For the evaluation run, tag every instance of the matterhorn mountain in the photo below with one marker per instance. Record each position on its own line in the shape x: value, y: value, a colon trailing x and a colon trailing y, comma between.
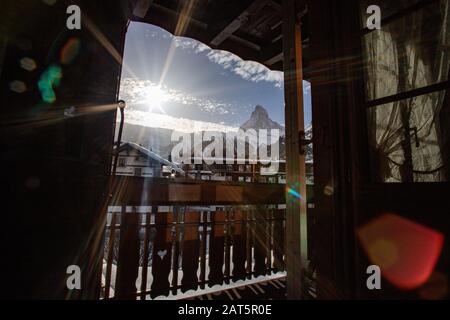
x: 159, y: 140
x: 260, y: 120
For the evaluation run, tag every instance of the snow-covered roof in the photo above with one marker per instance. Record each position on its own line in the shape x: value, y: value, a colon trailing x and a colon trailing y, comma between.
x: 152, y: 155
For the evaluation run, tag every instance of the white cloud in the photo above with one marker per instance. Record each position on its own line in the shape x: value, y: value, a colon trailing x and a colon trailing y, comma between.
x: 226, y: 59
x: 248, y: 70
x: 256, y: 72
x: 157, y: 120
x: 135, y: 92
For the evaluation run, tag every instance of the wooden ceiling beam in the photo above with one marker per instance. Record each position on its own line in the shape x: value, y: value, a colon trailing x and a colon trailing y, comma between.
x: 141, y: 7
x: 274, y: 59
x: 275, y: 5
x: 176, y: 15
x: 238, y: 21
x: 245, y: 42
x: 164, y: 18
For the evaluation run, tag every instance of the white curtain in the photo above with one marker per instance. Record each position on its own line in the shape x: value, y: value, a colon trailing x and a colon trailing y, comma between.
x: 407, y: 139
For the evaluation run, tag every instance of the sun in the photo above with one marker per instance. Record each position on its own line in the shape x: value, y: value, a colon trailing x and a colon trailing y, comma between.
x: 155, y: 96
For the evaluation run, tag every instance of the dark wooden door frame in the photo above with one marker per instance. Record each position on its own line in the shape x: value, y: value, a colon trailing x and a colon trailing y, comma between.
x: 345, y: 195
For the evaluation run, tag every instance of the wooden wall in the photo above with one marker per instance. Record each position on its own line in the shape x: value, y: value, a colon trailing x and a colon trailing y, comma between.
x: 56, y: 167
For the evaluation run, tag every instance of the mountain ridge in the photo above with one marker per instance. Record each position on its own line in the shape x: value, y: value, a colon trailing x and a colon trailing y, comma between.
x: 159, y: 139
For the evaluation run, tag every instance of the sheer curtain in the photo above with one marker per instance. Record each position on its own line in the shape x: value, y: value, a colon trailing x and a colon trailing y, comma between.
x: 407, y: 137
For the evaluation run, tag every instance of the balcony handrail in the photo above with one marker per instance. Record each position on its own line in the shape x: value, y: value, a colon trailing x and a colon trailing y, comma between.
x: 237, y: 243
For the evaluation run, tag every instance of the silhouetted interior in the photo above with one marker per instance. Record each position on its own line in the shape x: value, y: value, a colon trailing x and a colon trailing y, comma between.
x: 381, y: 128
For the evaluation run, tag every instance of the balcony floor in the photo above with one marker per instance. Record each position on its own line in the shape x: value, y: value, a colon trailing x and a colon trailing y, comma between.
x: 273, y: 289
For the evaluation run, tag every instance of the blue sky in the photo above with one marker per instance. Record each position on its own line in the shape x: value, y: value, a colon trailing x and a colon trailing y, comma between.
x: 180, y: 83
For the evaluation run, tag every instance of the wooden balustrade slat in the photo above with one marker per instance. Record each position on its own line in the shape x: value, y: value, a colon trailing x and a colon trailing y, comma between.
x: 269, y: 240
x: 216, y: 248
x: 191, y: 251
x: 203, y: 248
x: 278, y: 240
x: 249, y: 244
x: 233, y: 243
x: 145, y: 255
x: 109, y: 259
x: 227, y: 240
x: 260, y: 236
x: 239, y: 232
x: 176, y: 248
x: 161, y: 256
x: 128, y: 263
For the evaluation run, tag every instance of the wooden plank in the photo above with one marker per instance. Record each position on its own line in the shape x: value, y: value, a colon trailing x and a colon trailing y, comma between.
x: 238, y: 22
x: 139, y: 191
x: 141, y: 7
x: 191, y: 251
x: 239, y: 232
x: 229, y: 193
x: 128, y: 263
x: 161, y: 257
x: 269, y: 240
x: 109, y: 259
x: 178, y: 216
x: 227, y: 244
x: 276, y: 58
x: 279, y: 240
x: 296, y: 179
x: 203, y: 247
x: 185, y: 193
x: 145, y: 255
x: 249, y: 244
x: 260, y: 241
x: 216, y: 248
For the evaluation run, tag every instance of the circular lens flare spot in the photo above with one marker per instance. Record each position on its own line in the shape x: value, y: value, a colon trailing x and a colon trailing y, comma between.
x: 383, y: 253
x: 28, y: 64
x: 70, y: 50
x: 406, y: 251
x: 18, y: 86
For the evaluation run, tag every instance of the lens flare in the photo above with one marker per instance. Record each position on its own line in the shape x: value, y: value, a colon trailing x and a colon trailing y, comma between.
x: 405, y: 251
x: 294, y: 193
x: 70, y: 50
x: 28, y: 64
x: 18, y: 86
x: 155, y: 97
x: 50, y: 78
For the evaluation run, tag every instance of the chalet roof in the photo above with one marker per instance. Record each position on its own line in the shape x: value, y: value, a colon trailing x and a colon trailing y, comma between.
x: 151, y: 155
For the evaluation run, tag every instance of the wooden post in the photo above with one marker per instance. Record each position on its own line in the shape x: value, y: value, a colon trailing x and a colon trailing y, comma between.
x: 109, y: 259
x: 296, y: 253
x: 128, y: 264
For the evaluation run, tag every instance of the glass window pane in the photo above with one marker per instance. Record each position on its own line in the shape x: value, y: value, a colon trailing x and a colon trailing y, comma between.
x: 409, y: 139
x: 409, y: 53
x: 388, y: 7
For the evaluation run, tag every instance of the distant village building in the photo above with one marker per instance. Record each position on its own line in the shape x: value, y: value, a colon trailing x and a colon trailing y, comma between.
x: 251, y: 173
x: 135, y: 160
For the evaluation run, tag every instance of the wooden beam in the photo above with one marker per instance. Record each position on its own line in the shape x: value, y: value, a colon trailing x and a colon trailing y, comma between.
x: 166, y: 18
x: 238, y: 22
x: 275, y: 5
x: 272, y: 50
x: 274, y: 59
x: 245, y: 42
x: 177, y: 15
x: 128, y: 262
x: 141, y: 7
x: 296, y: 244
x: 158, y: 191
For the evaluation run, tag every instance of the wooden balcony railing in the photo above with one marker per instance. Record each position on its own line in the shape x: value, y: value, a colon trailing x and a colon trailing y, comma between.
x: 153, y: 250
